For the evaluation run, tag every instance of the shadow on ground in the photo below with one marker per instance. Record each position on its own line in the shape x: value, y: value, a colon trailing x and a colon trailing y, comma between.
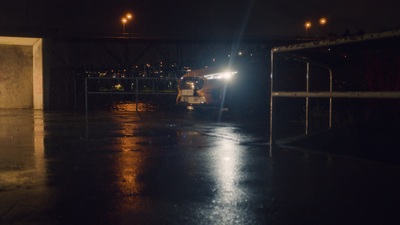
x: 377, y: 142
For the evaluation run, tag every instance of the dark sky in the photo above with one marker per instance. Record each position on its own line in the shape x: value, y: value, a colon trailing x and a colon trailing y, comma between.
x: 203, y: 17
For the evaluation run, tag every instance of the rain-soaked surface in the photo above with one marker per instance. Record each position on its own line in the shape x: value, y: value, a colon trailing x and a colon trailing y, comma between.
x: 175, y: 168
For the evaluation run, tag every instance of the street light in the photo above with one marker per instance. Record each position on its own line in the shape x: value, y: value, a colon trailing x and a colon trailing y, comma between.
x: 307, y: 25
x: 128, y: 17
x: 323, y: 22
x: 124, y: 21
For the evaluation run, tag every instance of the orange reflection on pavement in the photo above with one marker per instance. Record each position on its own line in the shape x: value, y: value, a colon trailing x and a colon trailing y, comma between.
x: 130, y: 158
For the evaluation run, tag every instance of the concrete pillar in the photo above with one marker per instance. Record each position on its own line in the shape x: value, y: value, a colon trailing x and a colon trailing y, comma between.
x: 21, y: 73
x: 37, y: 49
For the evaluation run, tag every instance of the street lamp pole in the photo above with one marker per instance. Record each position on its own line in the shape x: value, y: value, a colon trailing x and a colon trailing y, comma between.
x: 323, y: 22
x: 128, y: 19
x: 124, y: 21
x: 307, y: 26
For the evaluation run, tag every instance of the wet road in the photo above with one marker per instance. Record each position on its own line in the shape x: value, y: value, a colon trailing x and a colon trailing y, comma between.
x: 157, y: 168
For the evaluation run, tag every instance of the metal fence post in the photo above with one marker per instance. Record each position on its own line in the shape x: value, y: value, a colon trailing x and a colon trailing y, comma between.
x: 137, y: 93
x: 307, y: 91
x: 86, y: 93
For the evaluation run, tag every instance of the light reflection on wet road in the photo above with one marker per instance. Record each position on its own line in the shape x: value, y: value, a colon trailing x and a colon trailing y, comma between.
x: 155, y: 168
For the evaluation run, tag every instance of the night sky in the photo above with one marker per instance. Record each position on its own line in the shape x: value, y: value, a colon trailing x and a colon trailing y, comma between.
x: 202, y: 17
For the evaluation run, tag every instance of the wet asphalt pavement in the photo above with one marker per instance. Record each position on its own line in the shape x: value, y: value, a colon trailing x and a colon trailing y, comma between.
x: 175, y: 168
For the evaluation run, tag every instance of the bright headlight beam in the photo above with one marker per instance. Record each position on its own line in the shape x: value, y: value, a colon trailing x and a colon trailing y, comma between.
x: 224, y: 75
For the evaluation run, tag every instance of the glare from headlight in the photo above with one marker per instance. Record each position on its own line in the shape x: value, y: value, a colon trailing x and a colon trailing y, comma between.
x: 224, y: 75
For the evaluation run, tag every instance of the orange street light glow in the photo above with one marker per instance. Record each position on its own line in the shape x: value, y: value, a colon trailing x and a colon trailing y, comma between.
x: 129, y: 16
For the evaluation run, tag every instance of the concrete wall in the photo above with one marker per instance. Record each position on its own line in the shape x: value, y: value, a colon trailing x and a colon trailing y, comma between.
x: 16, y: 69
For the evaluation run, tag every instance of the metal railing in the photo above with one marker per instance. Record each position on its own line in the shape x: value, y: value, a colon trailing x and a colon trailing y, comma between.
x: 134, y: 86
x: 323, y: 94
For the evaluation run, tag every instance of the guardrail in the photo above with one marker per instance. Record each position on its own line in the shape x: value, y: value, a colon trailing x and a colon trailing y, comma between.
x: 135, y: 86
x: 329, y: 94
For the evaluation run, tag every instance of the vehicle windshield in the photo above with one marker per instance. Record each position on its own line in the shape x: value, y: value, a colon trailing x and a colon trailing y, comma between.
x: 191, y: 83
